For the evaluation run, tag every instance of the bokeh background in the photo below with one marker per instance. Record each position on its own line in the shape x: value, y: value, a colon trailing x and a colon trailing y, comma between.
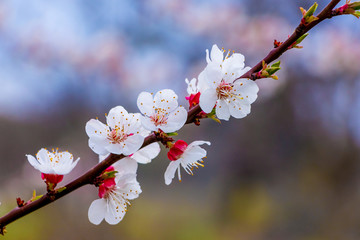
x: 290, y: 170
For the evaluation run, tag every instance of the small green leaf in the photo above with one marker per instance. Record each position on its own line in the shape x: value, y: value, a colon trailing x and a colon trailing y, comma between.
x: 356, y: 14
x: 59, y: 190
x: 355, y: 5
x: 107, y: 175
x: 273, y: 70
x: 277, y: 64
x: 311, y: 10
x: 172, y: 134
x: 300, y: 39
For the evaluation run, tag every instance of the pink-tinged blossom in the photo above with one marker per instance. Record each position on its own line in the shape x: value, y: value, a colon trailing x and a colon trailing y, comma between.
x: 186, y: 156
x: 121, y: 135
x: 53, y: 165
x: 161, y: 111
x: 115, y: 194
x: 230, y: 98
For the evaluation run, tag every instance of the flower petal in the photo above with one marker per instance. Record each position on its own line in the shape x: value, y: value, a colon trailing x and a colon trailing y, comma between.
x: 202, y: 84
x: 33, y: 162
x: 95, y: 127
x: 97, y: 211
x: 208, y: 100
x: 132, y: 144
x: 213, y: 74
x: 146, y: 154
x: 148, y: 124
x: 145, y: 103
x: 98, y: 145
x: 170, y: 171
x: 239, y: 110
x: 217, y: 56
x: 166, y: 99
x: 117, y: 117
x: 115, y: 210
x: 222, y: 110
x: 176, y: 120
x: 247, y: 89
x: 125, y: 166
x: 197, y: 143
x: 232, y: 67
x: 192, y: 86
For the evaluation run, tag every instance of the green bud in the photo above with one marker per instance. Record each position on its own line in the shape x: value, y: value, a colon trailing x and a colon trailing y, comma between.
x: 311, y: 10
x: 273, y: 70
x: 277, y: 64
x: 107, y: 175
x: 300, y: 39
x: 172, y: 134
x: 355, y: 5
x: 356, y: 14
x: 59, y: 190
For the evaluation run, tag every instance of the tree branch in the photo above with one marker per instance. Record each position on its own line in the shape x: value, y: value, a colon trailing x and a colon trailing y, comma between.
x: 94, y: 172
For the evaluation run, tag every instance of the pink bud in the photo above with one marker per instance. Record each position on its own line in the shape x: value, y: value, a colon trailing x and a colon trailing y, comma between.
x: 106, y: 184
x: 193, y: 99
x: 52, y: 178
x: 177, y: 150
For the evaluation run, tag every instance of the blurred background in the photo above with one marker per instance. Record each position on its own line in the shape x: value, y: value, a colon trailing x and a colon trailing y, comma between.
x: 290, y: 170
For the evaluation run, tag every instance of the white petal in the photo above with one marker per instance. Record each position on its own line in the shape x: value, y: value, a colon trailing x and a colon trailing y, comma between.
x: 202, y: 84
x: 43, y: 157
x: 176, y: 120
x: 117, y: 117
x: 208, y: 100
x: 170, y: 171
x: 97, y: 211
x: 238, y: 110
x: 115, y: 211
x: 99, y: 145
x: 166, y: 99
x: 33, y: 162
x: 216, y: 54
x: 222, y: 110
x: 145, y: 103
x: 116, y: 148
x: 148, y: 124
x: 134, y: 124
x: 197, y: 143
x: 132, y: 144
x: 247, y: 89
x: 232, y: 67
x: 213, y: 75
x: 207, y: 56
x: 95, y: 127
x: 66, y: 168
x: 193, y: 154
x: 146, y: 154
x: 192, y: 86
x: 125, y: 166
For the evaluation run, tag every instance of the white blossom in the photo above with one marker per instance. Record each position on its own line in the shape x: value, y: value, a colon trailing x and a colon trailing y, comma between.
x: 161, y: 111
x: 231, y: 98
x: 121, y: 135
x: 55, y: 162
x: 186, y: 156
x: 143, y: 156
x: 113, y: 204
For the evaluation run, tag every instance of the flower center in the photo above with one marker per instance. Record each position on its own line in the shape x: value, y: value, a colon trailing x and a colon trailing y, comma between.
x: 223, y: 90
x: 159, y: 118
x: 117, y: 135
